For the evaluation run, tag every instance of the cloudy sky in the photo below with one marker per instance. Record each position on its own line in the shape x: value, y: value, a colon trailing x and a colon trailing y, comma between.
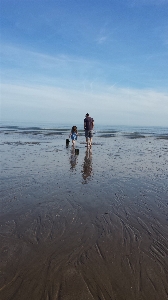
x: 61, y: 59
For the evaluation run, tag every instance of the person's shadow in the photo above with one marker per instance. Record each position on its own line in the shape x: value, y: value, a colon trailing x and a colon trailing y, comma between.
x: 87, y: 166
x: 73, y: 159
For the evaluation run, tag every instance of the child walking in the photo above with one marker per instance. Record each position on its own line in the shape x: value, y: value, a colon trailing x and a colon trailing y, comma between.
x: 73, y: 134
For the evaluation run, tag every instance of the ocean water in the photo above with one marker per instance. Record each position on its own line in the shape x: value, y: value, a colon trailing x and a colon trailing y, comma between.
x: 99, y: 129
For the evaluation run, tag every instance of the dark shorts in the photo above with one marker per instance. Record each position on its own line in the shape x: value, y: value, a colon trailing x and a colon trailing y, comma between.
x: 88, y: 133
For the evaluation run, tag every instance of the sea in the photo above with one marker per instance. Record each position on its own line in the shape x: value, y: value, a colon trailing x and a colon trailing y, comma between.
x: 99, y: 129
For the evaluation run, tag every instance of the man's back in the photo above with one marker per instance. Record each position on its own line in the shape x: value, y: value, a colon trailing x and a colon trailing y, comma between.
x: 88, y: 123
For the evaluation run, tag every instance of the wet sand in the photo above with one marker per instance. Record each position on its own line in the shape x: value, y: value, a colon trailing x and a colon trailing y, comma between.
x: 87, y: 226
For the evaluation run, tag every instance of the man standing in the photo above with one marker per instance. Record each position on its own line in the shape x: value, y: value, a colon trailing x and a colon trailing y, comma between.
x: 88, y: 127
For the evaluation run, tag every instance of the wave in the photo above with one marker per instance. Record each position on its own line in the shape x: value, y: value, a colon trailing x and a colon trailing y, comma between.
x: 100, y: 130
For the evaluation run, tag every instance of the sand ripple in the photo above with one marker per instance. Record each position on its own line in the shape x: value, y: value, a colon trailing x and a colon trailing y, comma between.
x: 105, y: 239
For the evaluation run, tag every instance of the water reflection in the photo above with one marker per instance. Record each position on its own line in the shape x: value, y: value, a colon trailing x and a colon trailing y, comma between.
x: 73, y: 159
x: 87, y: 166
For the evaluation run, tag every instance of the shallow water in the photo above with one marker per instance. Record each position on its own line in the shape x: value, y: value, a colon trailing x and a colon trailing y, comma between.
x: 87, y: 226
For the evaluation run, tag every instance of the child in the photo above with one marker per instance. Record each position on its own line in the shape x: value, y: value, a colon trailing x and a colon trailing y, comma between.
x: 73, y: 135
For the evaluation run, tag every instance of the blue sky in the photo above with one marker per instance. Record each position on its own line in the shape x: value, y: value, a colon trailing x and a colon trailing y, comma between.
x: 61, y: 59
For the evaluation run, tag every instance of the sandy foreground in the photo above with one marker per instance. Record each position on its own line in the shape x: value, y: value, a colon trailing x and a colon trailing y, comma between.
x: 87, y: 226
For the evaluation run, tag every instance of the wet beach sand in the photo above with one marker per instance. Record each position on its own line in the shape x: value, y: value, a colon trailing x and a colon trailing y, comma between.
x: 87, y: 226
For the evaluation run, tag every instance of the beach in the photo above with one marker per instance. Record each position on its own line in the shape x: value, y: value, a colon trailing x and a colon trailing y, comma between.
x: 86, y: 226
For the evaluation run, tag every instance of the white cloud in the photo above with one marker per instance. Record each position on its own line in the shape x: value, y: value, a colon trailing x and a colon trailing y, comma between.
x: 108, y: 106
x: 22, y: 56
x: 22, y: 66
x: 42, y: 87
x: 101, y: 39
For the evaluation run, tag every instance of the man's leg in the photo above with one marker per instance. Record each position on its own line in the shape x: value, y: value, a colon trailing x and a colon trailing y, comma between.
x: 90, y: 137
x: 87, y: 141
x: 86, y: 136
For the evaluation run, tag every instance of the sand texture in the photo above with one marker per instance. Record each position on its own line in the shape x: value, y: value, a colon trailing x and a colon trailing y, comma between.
x: 87, y: 226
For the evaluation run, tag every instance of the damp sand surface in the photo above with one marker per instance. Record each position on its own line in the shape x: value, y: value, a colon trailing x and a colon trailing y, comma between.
x: 87, y: 226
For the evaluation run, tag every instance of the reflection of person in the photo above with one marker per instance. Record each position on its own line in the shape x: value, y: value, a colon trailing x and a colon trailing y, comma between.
x: 73, y: 134
x: 88, y: 127
x: 87, y: 165
x: 73, y: 158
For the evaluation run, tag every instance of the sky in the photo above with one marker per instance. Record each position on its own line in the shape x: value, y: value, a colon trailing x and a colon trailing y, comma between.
x: 61, y: 59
